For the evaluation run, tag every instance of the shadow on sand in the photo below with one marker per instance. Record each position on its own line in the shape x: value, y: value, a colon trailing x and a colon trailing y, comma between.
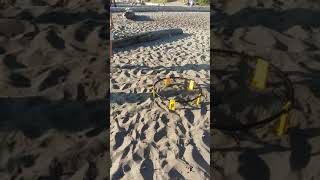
x: 299, y: 147
x: 35, y: 115
x: 141, y: 18
x: 270, y: 18
x: 196, y: 67
x: 153, y: 43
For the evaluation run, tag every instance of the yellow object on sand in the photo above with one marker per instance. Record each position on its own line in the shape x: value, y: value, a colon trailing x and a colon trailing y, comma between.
x: 191, y: 85
x: 167, y: 81
x: 172, y: 105
x: 260, y: 75
x: 283, y: 123
x: 153, y: 92
x: 197, y: 101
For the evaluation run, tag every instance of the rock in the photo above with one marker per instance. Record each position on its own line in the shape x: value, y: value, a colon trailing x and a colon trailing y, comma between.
x: 129, y: 14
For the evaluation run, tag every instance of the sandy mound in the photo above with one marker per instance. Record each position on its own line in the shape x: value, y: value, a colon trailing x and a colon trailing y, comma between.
x: 146, y: 139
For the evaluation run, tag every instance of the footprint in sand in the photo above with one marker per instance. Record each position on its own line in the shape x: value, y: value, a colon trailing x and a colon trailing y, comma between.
x: 19, y: 80
x: 126, y: 86
x: 147, y: 169
x: 126, y: 168
x: 156, y: 126
x: 181, y: 127
x: 54, y: 78
x: 164, y: 163
x: 174, y: 174
x: 146, y: 152
x: 199, y: 159
x: 27, y: 160
x: 136, y: 157
x: 143, y: 135
x: 119, y: 138
x: 11, y: 62
x: 82, y: 32
x: 160, y: 134
x: 126, y: 151
x: 164, y: 119
x: 115, y: 86
x: 125, y: 119
x: 118, y: 174
x: 181, y: 147
x: 54, y: 40
x: 203, y: 109
x: 206, y: 138
x: 189, y: 116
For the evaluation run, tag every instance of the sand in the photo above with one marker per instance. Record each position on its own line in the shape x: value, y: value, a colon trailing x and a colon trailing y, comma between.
x: 287, y: 34
x: 146, y: 140
x: 53, y: 85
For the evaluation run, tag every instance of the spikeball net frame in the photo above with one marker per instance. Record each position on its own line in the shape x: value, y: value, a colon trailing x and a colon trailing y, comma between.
x: 188, y: 85
x: 258, y: 81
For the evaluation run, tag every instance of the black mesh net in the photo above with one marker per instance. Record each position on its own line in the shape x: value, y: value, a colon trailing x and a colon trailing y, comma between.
x: 237, y: 104
x: 178, y: 89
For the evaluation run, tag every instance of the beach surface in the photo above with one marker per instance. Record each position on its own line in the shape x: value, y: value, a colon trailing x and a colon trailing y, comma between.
x: 146, y: 140
x: 53, y: 85
x: 285, y: 33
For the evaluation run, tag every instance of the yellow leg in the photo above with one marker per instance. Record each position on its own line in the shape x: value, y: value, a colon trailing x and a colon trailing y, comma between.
x: 191, y: 85
x: 172, y: 105
x: 167, y: 81
x: 260, y: 75
x: 198, y: 100
x: 153, y: 92
x: 283, y: 123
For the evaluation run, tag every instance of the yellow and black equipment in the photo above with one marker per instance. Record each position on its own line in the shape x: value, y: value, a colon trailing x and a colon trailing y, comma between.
x: 176, y: 91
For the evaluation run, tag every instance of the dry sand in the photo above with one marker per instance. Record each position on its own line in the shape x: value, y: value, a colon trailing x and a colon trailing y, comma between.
x: 286, y: 33
x: 53, y: 85
x: 146, y: 139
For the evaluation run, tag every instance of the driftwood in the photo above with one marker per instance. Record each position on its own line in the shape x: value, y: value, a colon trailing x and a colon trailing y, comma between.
x: 145, y: 37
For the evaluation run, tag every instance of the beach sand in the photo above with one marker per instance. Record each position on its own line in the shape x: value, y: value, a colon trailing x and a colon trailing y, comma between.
x: 53, y: 86
x: 287, y: 34
x: 146, y: 139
